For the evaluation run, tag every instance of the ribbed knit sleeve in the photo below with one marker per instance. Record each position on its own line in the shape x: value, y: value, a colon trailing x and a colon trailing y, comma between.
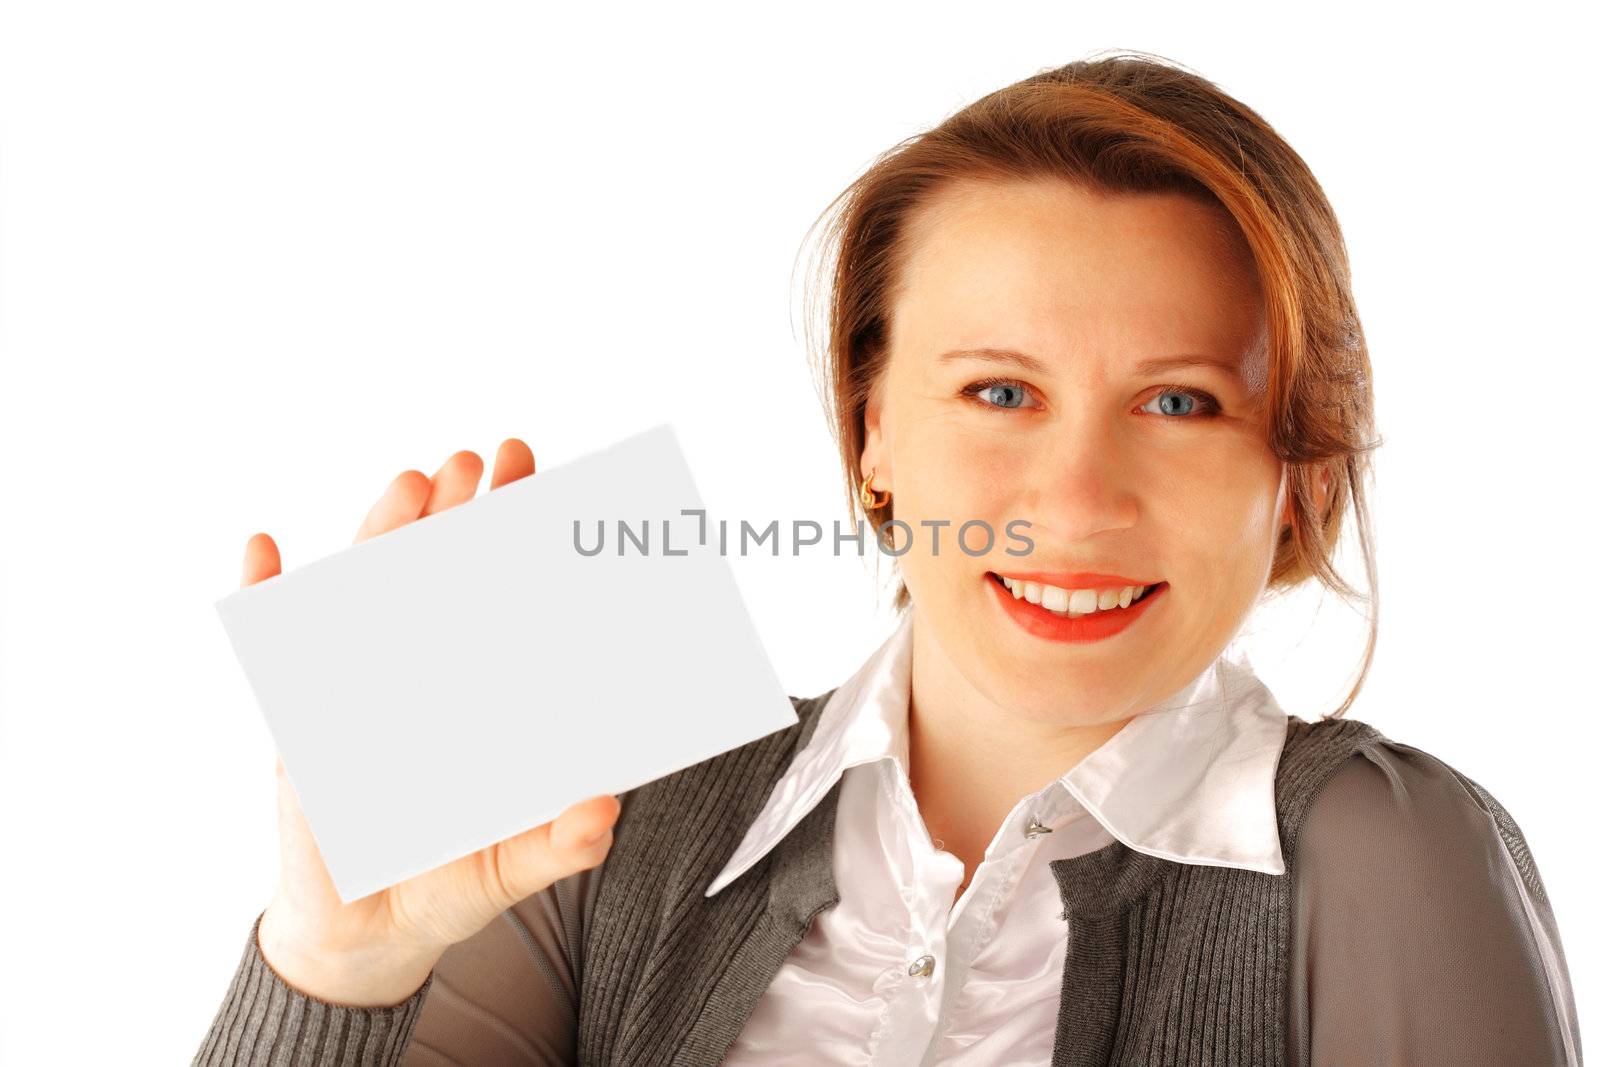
x: 1423, y: 933
x: 264, y: 1020
x: 506, y: 996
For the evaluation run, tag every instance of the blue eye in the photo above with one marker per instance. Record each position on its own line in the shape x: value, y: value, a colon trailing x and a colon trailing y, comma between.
x: 1001, y: 393
x: 1176, y: 402
x: 1171, y: 401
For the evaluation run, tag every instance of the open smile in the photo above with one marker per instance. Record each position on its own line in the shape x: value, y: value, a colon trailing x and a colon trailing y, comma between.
x: 1073, y: 615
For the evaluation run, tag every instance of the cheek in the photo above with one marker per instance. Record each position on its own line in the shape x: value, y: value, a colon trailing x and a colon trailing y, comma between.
x: 949, y: 472
x: 1251, y: 488
x: 1223, y: 529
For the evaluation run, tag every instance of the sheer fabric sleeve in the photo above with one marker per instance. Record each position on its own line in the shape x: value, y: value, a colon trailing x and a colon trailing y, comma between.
x: 1422, y: 934
x: 507, y: 995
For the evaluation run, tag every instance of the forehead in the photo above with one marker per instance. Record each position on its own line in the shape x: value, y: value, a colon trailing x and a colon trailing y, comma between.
x: 1049, y: 266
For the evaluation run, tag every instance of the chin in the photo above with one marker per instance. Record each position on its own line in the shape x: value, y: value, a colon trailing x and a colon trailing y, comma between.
x: 1066, y: 696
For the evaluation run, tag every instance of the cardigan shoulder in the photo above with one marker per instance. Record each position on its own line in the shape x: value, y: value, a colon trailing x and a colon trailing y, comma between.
x: 1423, y: 932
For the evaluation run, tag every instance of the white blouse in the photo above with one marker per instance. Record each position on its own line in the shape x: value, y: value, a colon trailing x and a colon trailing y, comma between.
x: 896, y: 975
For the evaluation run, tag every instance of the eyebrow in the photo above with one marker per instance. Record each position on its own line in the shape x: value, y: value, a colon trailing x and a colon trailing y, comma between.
x: 1036, y: 366
x: 1163, y: 363
x: 995, y: 355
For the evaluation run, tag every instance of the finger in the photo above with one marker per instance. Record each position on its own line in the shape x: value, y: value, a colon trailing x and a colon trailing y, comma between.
x: 514, y: 460
x: 400, y: 503
x: 455, y: 482
x: 261, y: 559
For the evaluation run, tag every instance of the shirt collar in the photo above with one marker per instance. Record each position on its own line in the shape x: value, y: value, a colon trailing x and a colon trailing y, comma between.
x: 1189, y: 780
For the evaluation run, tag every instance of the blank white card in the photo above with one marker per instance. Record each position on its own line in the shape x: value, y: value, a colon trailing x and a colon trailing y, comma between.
x: 465, y: 677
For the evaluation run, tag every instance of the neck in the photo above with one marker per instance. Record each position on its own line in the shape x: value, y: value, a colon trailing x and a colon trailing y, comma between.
x: 971, y: 759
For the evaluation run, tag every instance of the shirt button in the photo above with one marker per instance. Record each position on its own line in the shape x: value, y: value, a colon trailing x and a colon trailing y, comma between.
x: 1035, y: 828
x: 921, y: 967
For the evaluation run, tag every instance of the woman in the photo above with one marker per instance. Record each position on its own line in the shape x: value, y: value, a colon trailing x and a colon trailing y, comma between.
x: 1051, y: 820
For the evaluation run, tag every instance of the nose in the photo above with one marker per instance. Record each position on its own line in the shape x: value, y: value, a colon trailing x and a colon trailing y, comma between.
x: 1077, y: 483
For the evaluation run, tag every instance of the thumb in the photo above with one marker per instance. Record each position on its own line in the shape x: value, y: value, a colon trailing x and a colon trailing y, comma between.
x: 576, y: 840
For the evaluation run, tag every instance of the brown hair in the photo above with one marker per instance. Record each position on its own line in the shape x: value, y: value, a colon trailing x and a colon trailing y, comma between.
x: 1119, y: 123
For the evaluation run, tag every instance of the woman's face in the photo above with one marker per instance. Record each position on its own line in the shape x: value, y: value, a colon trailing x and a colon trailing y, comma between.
x: 1122, y: 466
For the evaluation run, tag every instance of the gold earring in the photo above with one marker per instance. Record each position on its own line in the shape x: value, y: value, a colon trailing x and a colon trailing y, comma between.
x: 868, y: 503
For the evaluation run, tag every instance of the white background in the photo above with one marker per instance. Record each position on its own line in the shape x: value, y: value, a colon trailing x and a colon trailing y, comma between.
x: 257, y: 260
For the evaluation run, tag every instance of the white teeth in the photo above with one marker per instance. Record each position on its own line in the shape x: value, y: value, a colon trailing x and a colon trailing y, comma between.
x: 1073, y: 602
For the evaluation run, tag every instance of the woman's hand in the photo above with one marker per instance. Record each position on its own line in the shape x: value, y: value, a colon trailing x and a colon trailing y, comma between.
x: 379, y: 949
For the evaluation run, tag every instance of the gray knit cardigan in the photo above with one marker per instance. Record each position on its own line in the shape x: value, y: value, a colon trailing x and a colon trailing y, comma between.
x: 1411, y: 927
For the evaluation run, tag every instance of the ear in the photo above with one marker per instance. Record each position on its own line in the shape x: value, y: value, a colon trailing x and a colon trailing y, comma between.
x: 1321, y: 480
x: 874, y: 449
